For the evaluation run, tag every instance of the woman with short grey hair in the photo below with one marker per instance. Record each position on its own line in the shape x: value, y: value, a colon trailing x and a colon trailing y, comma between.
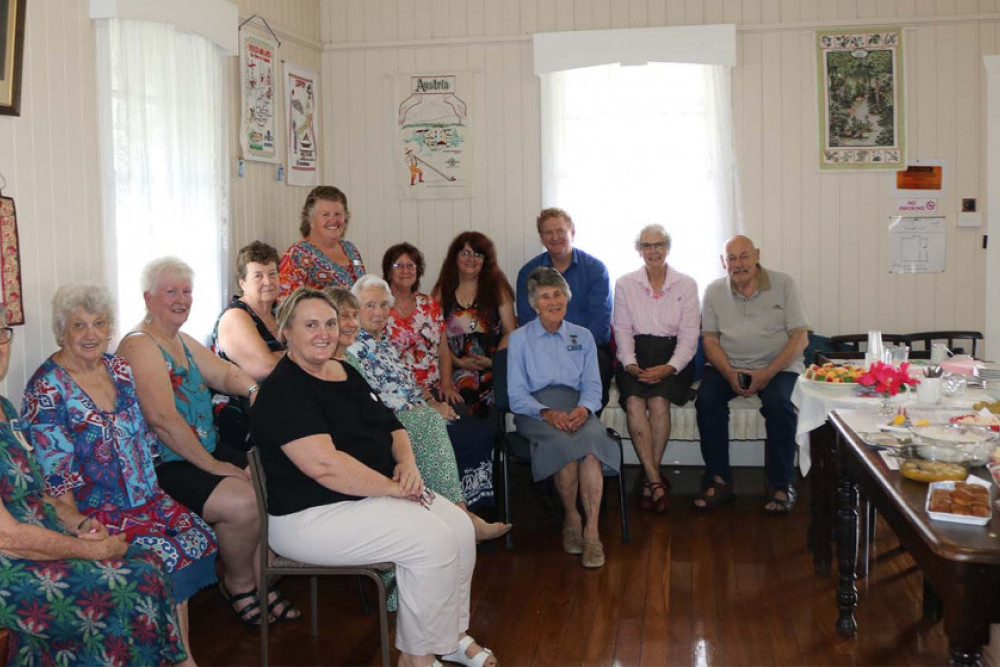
x: 173, y: 376
x: 97, y: 449
x: 656, y: 323
x: 555, y: 390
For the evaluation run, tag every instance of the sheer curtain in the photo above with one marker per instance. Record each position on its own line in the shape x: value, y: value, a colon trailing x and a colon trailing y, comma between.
x: 163, y: 158
x: 626, y: 146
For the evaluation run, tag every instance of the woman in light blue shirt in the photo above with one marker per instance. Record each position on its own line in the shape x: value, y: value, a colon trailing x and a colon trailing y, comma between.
x: 555, y: 389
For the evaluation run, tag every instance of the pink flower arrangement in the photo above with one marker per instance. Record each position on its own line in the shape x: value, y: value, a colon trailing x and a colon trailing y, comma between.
x: 887, y: 379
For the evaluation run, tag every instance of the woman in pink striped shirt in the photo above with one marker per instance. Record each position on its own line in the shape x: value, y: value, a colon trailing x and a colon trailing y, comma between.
x: 656, y: 324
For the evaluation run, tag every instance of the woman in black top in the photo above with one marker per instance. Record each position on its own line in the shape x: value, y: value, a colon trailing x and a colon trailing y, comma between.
x: 344, y: 487
x: 245, y: 335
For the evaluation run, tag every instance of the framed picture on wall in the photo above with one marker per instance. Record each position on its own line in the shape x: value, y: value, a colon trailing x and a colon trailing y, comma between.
x: 10, y: 263
x: 861, y: 98
x: 11, y: 55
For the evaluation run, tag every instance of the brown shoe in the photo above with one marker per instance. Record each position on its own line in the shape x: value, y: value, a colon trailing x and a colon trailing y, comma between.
x: 593, y: 554
x: 572, y: 540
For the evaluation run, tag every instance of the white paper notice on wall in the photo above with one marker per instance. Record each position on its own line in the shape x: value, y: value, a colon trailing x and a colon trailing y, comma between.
x: 911, y: 206
x: 916, y: 245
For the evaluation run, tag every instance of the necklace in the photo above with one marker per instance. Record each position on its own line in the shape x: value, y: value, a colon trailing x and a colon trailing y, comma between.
x: 405, y: 307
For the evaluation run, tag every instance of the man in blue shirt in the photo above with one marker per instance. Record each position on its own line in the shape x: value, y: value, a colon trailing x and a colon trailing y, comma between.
x: 587, y: 278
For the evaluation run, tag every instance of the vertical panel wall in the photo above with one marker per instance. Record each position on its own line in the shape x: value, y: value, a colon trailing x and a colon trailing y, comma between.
x: 49, y: 158
x: 829, y: 230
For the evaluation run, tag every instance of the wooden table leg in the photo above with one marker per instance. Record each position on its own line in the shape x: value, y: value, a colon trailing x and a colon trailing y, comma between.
x: 847, y: 555
x: 933, y: 606
x: 822, y: 441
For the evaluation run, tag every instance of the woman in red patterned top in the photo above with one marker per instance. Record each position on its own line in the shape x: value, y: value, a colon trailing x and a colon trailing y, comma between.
x: 322, y: 258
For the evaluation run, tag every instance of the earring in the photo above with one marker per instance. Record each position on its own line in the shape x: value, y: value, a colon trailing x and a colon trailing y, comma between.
x: 148, y: 319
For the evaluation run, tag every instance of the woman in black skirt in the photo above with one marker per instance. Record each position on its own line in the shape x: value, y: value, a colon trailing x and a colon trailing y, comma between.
x: 656, y: 325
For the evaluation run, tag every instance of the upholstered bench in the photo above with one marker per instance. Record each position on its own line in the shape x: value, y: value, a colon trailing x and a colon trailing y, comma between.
x: 745, y: 420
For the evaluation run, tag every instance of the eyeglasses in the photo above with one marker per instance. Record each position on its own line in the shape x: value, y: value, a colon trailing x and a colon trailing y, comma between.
x: 404, y: 265
x: 659, y: 245
x: 469, y: 254
x: 6, y: 335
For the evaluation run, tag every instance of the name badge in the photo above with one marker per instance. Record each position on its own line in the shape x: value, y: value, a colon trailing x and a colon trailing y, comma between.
x: 574, y: 348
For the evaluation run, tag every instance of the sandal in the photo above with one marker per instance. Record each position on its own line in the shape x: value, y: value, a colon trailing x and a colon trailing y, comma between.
x: 784, y: 506
x: 646, y: 501
x: 248, y: 613
x: 723, y: 493
x: 288, y: 611
x: 459, y: 656
x: 661, y: 504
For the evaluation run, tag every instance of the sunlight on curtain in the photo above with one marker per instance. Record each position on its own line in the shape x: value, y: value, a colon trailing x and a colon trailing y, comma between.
x: 623, y: 147
x: 163, y: 137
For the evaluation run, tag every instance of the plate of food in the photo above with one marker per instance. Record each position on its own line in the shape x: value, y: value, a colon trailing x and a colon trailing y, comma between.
x: 960, y: 502
x: 884, y: 439
x: 991, y: 421
x: 833, y: 377
x: 921, y: 470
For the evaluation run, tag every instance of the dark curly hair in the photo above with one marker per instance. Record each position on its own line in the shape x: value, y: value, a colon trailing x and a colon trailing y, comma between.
x: 493, y: 286
x: 397, y: 251
x: 326, y: 193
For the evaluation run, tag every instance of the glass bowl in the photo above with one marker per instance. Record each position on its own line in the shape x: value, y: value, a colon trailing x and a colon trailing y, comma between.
x: 954, y: 443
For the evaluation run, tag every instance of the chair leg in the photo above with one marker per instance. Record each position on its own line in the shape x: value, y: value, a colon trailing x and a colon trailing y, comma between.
x: 314, y: 605
x: 364, y: 598
x: 383, y: 616
x: 264, y: 618
x: 505, y: 459
x: 624, y: 507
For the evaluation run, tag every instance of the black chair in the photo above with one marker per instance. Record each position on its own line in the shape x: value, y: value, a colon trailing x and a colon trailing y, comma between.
x: 859, y: 343
x: 285, y: 566
x: 920, y: 343
x: 513, y: 446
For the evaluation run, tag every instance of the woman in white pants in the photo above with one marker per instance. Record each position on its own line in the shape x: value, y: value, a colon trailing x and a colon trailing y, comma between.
x: 343, y: 487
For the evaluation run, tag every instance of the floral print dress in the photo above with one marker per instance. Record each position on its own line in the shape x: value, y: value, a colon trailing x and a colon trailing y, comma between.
x: 105, y: 459
x: 305, y: 264
x: 72, y: 612
x: 417, y: 339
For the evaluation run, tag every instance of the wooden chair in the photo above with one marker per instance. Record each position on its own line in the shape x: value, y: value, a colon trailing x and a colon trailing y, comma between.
x: 921, y: 342
x: 513, y: 446
x: 285, y: 566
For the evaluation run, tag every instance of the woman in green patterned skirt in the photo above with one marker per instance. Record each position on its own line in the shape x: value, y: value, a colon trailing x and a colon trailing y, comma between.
x: 363, y: 315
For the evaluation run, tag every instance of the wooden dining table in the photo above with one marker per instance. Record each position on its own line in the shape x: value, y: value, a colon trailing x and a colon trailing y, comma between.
x: 960, y: 563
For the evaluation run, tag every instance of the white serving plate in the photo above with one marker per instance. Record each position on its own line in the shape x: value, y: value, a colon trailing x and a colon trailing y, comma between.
x: 957, y: 518
x: 842, y: 388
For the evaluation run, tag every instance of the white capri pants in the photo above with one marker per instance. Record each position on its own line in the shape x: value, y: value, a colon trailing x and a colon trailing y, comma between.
x: 434, y: 550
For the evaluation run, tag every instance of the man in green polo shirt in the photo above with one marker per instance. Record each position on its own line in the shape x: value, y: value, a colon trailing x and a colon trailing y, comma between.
x: 754, y: 330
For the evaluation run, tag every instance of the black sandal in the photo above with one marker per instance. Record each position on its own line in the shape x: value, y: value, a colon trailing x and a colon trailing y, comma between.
x: 249, y: 613
x: 723, y: 494
x: 289, y: 612
x: 784, y: 505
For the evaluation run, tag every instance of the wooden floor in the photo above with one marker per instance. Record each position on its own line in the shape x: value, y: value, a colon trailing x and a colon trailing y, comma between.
x: 731, y: 587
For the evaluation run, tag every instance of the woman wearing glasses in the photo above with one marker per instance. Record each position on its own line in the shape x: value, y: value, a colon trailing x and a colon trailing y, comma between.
x: 478, y: 305
x: 656, y: 326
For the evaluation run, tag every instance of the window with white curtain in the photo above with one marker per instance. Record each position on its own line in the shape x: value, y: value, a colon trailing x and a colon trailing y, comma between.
x: 163, y: 139
x: 626, y: 146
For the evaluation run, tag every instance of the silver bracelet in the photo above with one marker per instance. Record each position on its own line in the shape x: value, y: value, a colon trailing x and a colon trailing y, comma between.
x: 252, y: 390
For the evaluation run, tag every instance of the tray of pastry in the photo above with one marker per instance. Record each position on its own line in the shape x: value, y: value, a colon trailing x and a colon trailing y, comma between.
x: 969, y: 502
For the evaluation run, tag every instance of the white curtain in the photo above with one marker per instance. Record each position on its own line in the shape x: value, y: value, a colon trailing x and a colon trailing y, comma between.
x: 163, y: 157
x: 623, y: 147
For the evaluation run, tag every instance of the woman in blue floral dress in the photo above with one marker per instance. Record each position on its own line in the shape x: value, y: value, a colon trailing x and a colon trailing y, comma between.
x: 70, y: 593
x: 97, y: 449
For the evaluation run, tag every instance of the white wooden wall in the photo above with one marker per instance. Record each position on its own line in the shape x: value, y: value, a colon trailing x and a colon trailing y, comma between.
x: 826, y: 229
x: 49, y: 158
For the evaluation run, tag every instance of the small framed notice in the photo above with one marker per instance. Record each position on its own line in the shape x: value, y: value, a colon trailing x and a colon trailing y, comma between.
x: 922, y: 179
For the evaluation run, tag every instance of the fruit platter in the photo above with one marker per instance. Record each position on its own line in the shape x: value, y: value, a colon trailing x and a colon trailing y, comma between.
x: 834, y: 377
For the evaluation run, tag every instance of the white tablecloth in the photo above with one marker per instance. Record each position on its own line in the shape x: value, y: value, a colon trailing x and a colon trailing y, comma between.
x: 815, y: 403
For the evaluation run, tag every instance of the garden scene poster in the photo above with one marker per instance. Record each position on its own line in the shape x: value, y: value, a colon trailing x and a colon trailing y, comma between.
x: 861, y: 115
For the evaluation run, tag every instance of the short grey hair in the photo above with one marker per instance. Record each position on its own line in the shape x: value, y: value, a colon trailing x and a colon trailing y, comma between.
x: 92, y: 299
x: 546, y: 276
x: 153, y: 272
x: 654, y: 228
x: 371, y: 280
